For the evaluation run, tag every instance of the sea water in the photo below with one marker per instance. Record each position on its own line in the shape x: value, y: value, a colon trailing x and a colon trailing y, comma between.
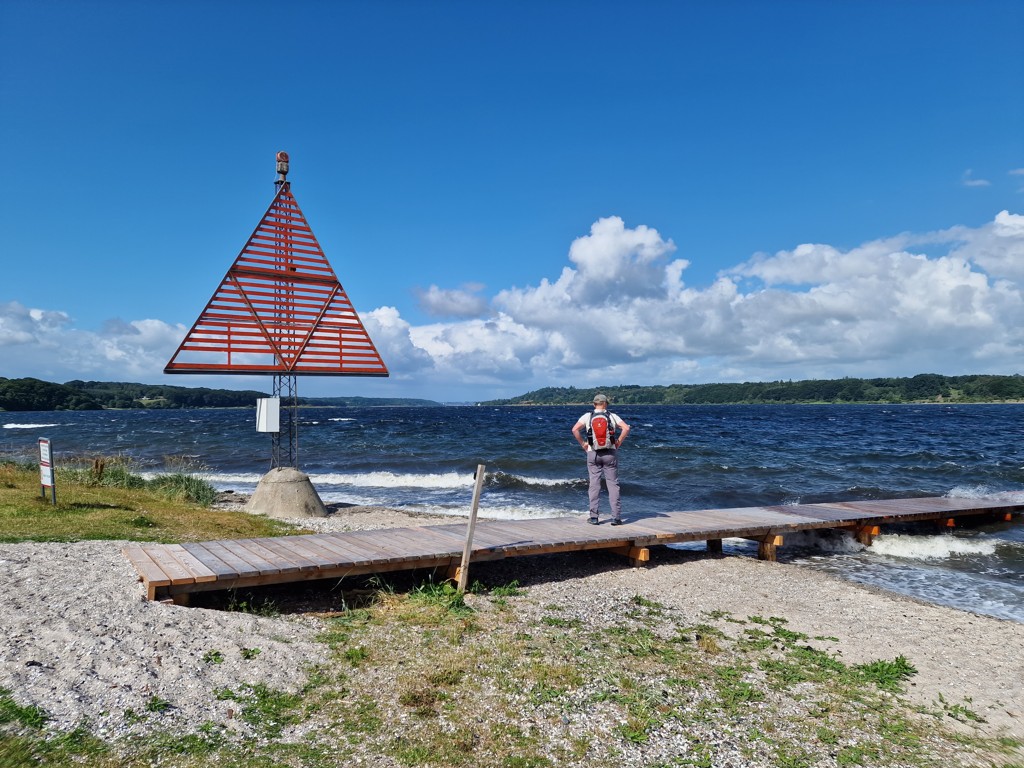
x: 685, y: 457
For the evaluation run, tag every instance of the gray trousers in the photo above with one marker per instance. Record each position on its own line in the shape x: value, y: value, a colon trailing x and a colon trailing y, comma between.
x: 604, y: 464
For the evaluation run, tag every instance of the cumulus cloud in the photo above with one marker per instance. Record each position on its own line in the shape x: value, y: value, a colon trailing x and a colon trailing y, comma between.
x: 460, y: 302
x: 45, y: 344
x: 620, y: 311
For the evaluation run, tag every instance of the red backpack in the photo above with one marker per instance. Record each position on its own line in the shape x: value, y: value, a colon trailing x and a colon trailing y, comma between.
x: 601, y: 431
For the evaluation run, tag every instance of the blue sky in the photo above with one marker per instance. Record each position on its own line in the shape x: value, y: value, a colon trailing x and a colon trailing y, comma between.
x: 518, y: 195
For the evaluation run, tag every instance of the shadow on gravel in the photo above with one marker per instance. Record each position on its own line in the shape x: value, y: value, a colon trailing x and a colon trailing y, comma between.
x: 328, y: 596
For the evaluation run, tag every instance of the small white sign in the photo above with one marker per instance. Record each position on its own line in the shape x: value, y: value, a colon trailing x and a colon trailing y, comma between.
x: 46, y: 468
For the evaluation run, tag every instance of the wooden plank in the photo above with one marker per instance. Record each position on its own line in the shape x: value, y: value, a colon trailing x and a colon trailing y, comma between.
x: 831, y: 513
x: 351, y: 549
x: 300, y: 561
x: 200, y: 573
x: 277, y: 563
x: 355, y: 547
x: 175, y: 571
x: 152, y: 574
x: 306, y: 553
x: 408, y: 543
x: 356, y: 552
x: 240, y: 566
x: 426, y: 540
x: 210, y: 560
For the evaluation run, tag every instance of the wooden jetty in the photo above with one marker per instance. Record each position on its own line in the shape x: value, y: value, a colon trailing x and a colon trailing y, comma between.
x: 171, y: 572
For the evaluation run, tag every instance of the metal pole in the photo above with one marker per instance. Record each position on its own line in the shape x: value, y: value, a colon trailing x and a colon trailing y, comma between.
x: 464, y: 568
x: 285, y: 384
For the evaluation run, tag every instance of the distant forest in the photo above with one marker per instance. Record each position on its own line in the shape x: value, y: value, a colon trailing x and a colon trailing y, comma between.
x: 36, y: 395
x: 923, y: 388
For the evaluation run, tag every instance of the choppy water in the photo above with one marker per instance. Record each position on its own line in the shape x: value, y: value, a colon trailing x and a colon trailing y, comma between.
x: 675, y: 458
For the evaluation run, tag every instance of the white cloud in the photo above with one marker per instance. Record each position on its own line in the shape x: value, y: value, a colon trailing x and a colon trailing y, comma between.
x: 624, y: 313
x: 620, y: 311
x: 968, y: 180
x: 45, y: 344
x: 462, y: 302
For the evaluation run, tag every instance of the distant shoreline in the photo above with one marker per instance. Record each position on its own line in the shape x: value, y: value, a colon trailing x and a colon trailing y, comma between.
x: 582, y: 404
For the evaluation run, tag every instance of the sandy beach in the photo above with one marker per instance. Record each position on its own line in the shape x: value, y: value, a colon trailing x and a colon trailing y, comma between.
x: 78, y: 639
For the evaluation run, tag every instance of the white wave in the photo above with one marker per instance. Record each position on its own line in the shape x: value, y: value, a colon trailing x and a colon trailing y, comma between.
x: 984, y: 492
x: 930, y: 547
x: 28, y: 426
x: 521, y: 512
x: 487, y: 512
x: 395, y: 480
x: 338, y: 418
x: 221, y: 478
x: 544, y: 481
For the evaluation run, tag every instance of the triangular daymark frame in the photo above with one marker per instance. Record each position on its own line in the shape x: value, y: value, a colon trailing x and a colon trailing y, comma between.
x: 279, y: 309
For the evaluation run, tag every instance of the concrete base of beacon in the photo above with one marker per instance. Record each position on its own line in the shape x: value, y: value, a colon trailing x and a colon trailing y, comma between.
x: 284, y: 493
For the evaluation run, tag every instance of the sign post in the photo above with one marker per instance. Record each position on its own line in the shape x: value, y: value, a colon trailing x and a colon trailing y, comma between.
x: 463, y: 572
x: 46, y: 479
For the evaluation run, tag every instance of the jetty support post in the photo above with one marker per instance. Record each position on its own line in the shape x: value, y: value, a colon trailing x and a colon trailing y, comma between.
x: 766, y: 545
x: 637, y: 555
x: 715, y: 546
x: 866, y: 534
x: 462, y: 572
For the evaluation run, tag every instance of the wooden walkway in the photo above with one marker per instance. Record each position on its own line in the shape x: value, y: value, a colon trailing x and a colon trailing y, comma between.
x: 172, y: 571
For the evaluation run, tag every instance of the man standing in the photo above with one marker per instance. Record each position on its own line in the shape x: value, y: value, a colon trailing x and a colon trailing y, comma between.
x: 605, y: 433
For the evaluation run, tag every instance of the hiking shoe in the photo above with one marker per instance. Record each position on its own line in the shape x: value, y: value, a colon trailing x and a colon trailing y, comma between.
x: 617, y: 521
x: 592, y: 521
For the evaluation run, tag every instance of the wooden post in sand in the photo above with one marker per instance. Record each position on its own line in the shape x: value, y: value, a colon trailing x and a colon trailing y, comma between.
x: 468, y: 547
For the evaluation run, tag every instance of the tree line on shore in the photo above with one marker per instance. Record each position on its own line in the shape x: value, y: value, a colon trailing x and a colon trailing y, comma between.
x: 35, y: 395
x: 30, y: 394
x: 923, y: 388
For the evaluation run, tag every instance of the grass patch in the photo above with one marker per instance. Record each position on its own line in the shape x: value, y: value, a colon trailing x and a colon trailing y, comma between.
x: 121, y: 506
x: 12, y: 712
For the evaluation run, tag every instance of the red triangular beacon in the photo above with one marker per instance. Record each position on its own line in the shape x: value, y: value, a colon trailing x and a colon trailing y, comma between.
x: 280, y: 308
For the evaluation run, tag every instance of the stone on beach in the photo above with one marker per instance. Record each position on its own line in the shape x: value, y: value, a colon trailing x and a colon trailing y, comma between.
x: 285, y: 492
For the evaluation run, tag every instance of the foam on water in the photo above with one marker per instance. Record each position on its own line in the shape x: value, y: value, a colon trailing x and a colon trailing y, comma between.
x: 28, y: 426
x: 395, y: 480
x: 910, y: 547
x: 224, y: 479
x: 983, y: 491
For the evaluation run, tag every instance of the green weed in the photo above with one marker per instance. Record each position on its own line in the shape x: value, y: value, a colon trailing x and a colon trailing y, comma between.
x: 887, y: 675
x: 27, y: 715
x: 157, y: 705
